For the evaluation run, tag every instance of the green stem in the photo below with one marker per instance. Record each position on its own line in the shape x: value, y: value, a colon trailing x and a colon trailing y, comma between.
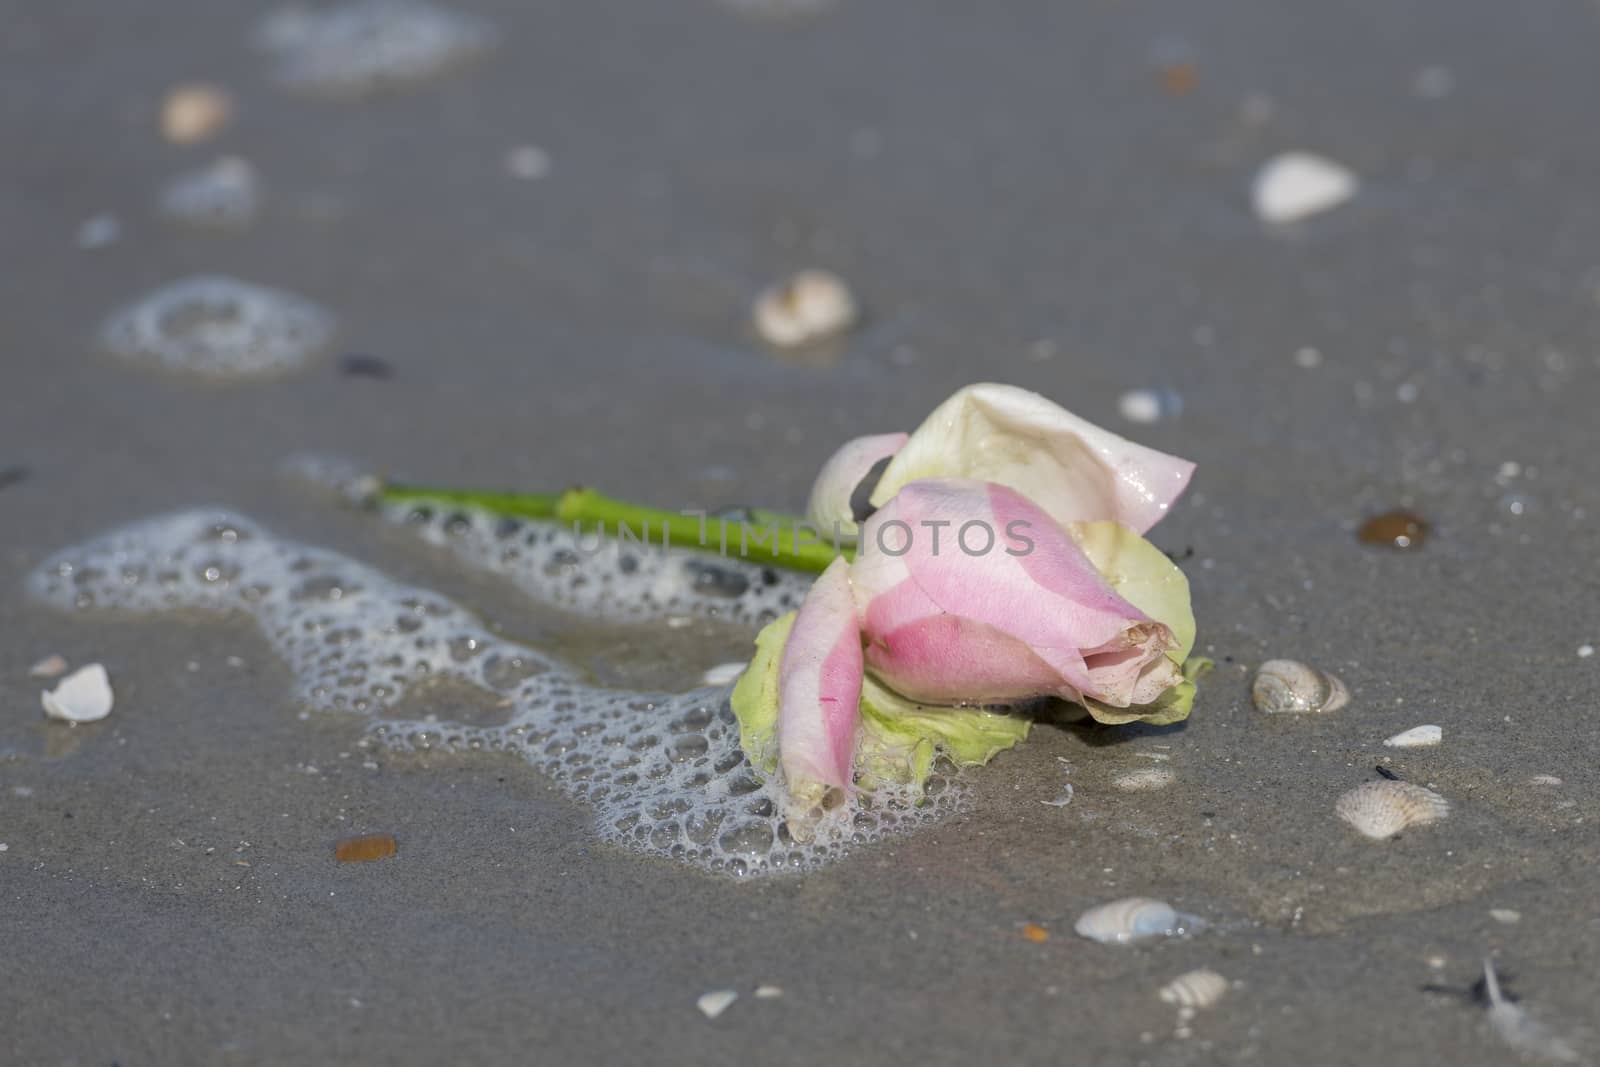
x: 759, y: 536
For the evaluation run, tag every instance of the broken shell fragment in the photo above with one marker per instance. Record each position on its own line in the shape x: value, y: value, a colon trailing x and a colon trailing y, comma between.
x: 810, y: 306
x: 1131, y: 919
x: 52, y: 666
x: 1286, y: 686
x: 82, y: 696
x: 715, y: 1003
x: 1298, y: 185
x: 1195, y: 989
x: 1382, y: 809
x: 1416, y: 737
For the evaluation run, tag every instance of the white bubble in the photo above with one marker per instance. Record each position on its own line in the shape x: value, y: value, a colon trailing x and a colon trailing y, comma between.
x: 663, y: 773
x: 219, y: 327
x: 369, y: 45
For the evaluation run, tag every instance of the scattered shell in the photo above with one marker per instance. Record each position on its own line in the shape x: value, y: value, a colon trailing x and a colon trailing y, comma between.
x: 1520, y: 1031
x: 98, y: 231
x: 1035, y: 933
x: 723, y: 674
x: 1545, y: 779
x: 365, y: 849
x: 768, y: 992
x: 221, y: 196
x: 715, y: 1003
x: 1145, y: 780
x: 1195, y: 989
x: 1416, y: 737
x: 1384, y: 808
x: 369, y: 45
x: 1286, y: 686
x: 1585, y: 651
x: 1298, y: 185
x: 219, y: 327
x: 1122, y: 922
x: 51, y: 666
x: 195, y: 112
x: 1505, y: 915
x: 82, y: 696
x: 528, y: 162
x: 808, y: 307
x: 1397, y: 529
x: 1061, y: 801
x: 1150, y: 405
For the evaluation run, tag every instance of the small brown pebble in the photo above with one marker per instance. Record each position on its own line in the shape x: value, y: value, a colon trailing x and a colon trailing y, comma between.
x: 1035, y: 933
x: 1178, y: 79
x: 364, y: 849
x: 1397, y: 529
x: 195, y: 112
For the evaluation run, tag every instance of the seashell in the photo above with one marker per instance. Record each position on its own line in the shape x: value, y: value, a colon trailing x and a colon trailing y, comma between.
x: 52, y: 666
x: 1149, y: 405
x: 1144, y: 780
x: 1122, y: 922
x: 724, y: 673
x: 1545, y: 779
x: 1286, y: 686
x: 1297, y: 185
x: 193, y: 113
x: 1384, y: 808
x: 1195, y: 989
x: 222, y: 195
x: 82, y: 696
x: 1416, y: 737
x: 810, y: 306
x: 716, y: 1002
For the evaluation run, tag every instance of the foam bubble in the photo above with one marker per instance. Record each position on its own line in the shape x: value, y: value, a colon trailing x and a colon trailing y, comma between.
x: 222, y: 195
x: 369, y: 45
x: 663, y: 772
x: 219, y: 327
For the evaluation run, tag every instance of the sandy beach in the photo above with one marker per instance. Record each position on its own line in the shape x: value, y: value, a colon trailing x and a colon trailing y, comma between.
x: 1054, y: 196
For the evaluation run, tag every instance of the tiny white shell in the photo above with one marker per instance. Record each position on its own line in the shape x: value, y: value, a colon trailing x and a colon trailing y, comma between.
x: 768, y: 992
x: 1144, y: 780
x: 1545, y: 779
x: 1416, y: 737
x: 1297, y: 185
x: 1286, y: 686
x: 723, y: 673
x: 52, y: 666
x: 810, y: 306
x: 82, y: 696
x: 1122, y: 922
x: 716, y: 1002
x: 1382, y: 809
x: 1195, y: 989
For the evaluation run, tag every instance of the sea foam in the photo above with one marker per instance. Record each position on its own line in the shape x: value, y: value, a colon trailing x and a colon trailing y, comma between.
x: 663, y: 772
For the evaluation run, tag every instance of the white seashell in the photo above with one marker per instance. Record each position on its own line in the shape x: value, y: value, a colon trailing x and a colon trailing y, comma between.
x: 1382, y: 809
x: 1545, y: 779
x: 1416, y: 737
x: 1149, y: 405
x: 52, y: 666
x: 1297, y: 185
x: 222, y: 195
x: 1505, y: 915
x: 808, y: 307
x: 1122, y: 922
x: 1195, y: 989
x: 723, y: 673
x: 1145, y: 780
x: 193, y: 113
x: 82, y: 696
x: 768, y: 992
x: 716, y: 1002
x: 1286, y: 686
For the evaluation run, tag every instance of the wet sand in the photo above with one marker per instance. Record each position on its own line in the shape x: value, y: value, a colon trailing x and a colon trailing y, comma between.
x: 1014, y: 196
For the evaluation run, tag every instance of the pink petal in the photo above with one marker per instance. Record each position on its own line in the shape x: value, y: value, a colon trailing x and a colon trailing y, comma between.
x: 819, y: 685
x: 832, y: 492
x: 1031, y: 619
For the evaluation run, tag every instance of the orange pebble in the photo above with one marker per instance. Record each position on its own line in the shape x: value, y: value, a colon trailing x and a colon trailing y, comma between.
x: 1178, y: 78
x: 1035, y: 933
x: 364, y: 849
x: 1397, y: 529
